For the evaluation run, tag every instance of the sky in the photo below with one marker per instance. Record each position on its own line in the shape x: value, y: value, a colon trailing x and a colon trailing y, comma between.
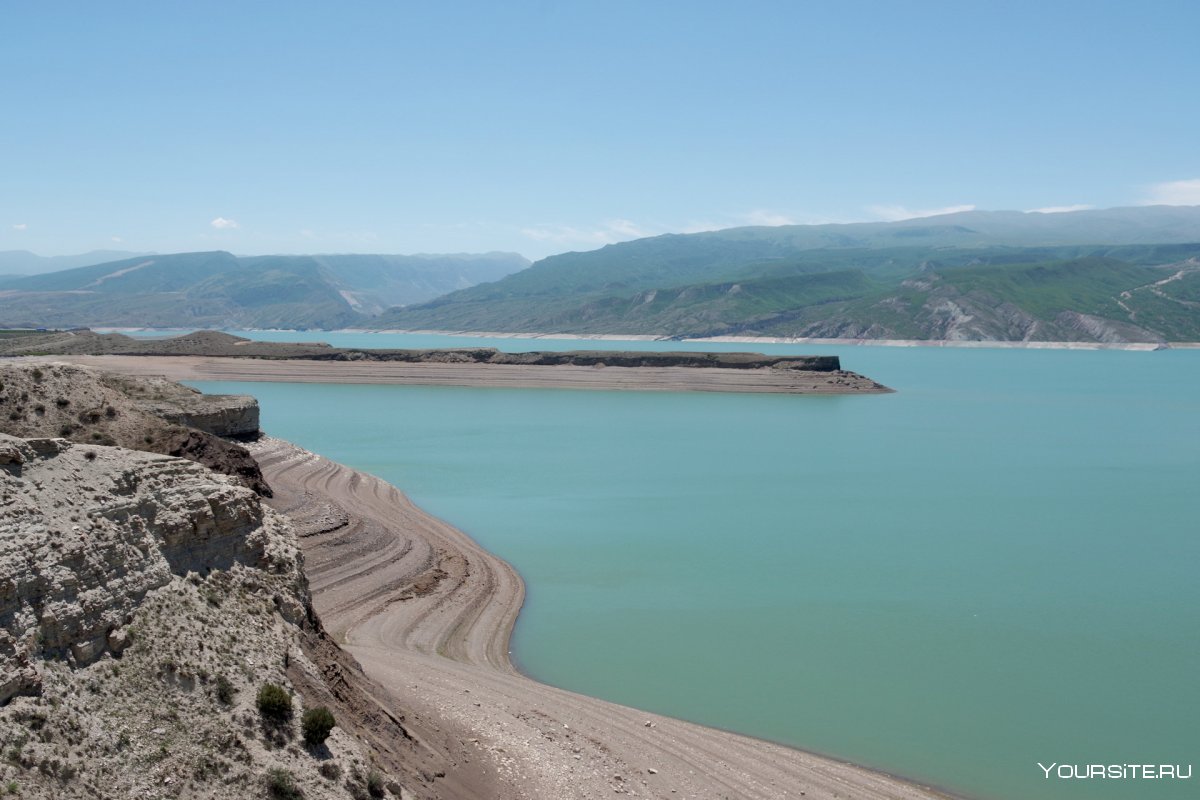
x: 541, y: 127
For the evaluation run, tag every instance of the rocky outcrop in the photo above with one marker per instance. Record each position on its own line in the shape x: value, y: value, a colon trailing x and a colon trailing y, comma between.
x: 144, y: 601
x: 87, y: 532
x: 1092, y: 328
x: 152, y: 414
x: 225, y: 415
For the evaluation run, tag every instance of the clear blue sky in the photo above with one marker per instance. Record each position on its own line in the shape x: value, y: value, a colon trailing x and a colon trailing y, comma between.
x: 547, y: 126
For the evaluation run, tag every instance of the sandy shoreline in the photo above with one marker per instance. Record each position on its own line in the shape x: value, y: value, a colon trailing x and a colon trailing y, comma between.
x: 667, y: 379
x: 640, y: 337
x: 799, y: 340
x: 428, y: 613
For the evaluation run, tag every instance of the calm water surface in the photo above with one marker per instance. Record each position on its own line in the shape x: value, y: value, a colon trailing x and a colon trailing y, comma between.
x: 993, y: 567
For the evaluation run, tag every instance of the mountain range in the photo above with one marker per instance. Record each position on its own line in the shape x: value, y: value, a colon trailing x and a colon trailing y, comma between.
x: 1115, y: 275
x: 218, y: 289
x: 16, y: 263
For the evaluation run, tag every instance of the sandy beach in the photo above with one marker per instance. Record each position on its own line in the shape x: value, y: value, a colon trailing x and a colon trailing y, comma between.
x: 668, y: 379
x: 429, y: 613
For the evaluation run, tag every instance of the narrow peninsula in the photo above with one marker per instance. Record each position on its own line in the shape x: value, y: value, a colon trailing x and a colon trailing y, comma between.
x: 212, y: 355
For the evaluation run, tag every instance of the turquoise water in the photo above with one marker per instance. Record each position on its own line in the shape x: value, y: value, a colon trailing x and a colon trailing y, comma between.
x: 993, y: 567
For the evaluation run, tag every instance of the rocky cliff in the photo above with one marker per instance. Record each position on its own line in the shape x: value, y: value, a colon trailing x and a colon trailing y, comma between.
x: 146, y: 599
x: 88, y: 532
x: 152, y: 414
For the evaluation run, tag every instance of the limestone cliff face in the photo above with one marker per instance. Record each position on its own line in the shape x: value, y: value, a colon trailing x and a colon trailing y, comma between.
x: 227, y: 415
x: 144, y: 601
x: 87, y: 531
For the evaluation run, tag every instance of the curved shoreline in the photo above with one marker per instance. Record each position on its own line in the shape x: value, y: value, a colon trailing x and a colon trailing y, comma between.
x: 428, y: 613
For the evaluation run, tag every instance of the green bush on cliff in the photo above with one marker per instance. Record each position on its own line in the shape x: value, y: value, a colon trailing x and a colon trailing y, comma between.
x: 316, y: 725
x: 274, y: 703
x: 282, y: 786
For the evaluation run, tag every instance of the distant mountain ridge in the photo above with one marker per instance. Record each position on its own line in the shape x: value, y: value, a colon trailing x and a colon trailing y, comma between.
x: 1116, y: 275
x: 23, y: 262
x: 1110, y: 275
x: 218, y: 289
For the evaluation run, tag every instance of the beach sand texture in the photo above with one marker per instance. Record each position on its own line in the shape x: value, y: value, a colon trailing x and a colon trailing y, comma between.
x: 428, y: 613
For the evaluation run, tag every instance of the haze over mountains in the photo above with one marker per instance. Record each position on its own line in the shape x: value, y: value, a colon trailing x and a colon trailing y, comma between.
x: 1115, y: 275
x: 22, y: 262
x: 218, y: 289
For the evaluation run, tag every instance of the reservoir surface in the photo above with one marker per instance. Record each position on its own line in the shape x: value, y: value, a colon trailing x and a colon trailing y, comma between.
x: 993, y: 567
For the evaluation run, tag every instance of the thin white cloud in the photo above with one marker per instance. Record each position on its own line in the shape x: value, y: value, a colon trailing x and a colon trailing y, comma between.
x: 116, y: 239
x: 623, y: 227
x: 897, y: 213
x: 220, y: 223
x: 622, y: 230
x: 610, y: 232
x: 20, y: 226
x: 1173, y: 193
x: 761, y: 216
x: 1060, y: 209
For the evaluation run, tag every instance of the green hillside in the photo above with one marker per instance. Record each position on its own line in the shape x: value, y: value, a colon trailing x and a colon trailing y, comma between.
x: 218, y: 289
x: 974, y: 275
x: 1115, y: 275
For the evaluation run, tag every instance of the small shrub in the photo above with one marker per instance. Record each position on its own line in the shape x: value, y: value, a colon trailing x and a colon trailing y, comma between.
x: 281, y: 785
x: 375, y: 785
x: 39, y: 409
x: 274, y: 703
x: 225, y: 690
x: 330, y: 770
x: 37, y: 374
x: 316, y: 725
x: 110, y: 412
x: 62, y: 402
x: 90, y: 455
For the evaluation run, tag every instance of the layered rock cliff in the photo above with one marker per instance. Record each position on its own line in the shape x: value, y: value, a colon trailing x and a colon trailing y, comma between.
x: 87, y: 532
x: 146, y: 599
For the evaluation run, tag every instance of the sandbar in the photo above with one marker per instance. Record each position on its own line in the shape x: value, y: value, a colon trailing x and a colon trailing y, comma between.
x: 299, y: 370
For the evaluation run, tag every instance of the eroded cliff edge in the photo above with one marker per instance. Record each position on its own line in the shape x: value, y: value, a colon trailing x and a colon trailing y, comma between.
x: 144, y: 601
x: 152, y: 414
